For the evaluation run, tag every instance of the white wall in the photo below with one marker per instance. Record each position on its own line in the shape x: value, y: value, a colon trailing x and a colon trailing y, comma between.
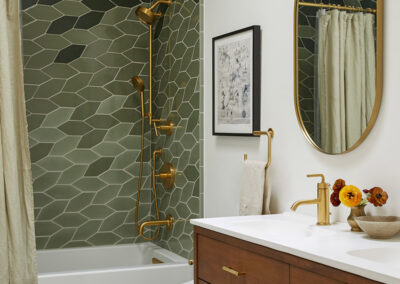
x: 374, y: 163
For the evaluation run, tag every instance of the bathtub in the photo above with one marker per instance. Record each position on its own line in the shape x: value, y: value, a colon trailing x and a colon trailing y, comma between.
x: 122, y: 264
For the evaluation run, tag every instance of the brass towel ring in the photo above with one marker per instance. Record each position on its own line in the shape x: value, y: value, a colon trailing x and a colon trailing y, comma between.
x: 270, y: 134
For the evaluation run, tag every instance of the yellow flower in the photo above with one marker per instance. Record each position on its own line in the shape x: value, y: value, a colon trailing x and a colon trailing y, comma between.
x: 350, y: 196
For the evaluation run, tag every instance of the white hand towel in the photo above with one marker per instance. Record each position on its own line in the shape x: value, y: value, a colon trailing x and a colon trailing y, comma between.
x: 255, y: 193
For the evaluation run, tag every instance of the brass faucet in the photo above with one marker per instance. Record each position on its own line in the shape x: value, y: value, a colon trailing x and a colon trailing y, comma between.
x: 169, y: 221
x: 322, y: 201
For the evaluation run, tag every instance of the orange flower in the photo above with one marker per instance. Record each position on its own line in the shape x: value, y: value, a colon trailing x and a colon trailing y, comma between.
x: 350, y: 196
x: 377, y: 196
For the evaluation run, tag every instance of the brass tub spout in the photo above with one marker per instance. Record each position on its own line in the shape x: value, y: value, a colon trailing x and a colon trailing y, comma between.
x: 167, y: 222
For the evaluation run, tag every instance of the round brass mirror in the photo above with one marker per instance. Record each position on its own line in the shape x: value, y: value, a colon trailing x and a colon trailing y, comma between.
x: 338, y: 72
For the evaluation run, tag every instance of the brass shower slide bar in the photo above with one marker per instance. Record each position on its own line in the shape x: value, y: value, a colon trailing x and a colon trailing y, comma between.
x: 270, y: 134
x: 339, y: 7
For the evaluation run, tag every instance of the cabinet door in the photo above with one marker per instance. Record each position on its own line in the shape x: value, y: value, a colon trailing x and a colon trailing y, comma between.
x: 220, y: 263
x: 301, y: 276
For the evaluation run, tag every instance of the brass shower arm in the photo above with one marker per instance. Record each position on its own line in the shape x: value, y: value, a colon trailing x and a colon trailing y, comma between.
x: 169, y: 2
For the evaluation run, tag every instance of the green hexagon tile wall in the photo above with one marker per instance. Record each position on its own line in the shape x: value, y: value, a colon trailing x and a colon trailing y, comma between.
x: 84, y: 119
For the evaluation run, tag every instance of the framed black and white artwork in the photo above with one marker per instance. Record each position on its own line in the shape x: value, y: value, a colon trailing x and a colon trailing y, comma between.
x: 236, y: 82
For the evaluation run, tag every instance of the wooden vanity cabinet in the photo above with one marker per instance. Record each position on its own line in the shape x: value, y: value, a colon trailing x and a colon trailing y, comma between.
x: 220, y: 259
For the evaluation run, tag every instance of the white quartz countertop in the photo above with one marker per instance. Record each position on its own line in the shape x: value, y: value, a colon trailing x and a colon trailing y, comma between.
x: 333, y: 245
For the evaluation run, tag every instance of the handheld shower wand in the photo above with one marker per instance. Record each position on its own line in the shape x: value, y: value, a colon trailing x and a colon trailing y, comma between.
x: 139, y: 86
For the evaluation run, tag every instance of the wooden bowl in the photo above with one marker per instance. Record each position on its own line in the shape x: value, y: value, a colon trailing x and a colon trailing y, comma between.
x: 379, y: 227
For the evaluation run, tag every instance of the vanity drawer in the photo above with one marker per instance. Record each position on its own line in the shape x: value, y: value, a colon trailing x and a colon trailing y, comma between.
x: 301, y: 276
x: 220, y: 262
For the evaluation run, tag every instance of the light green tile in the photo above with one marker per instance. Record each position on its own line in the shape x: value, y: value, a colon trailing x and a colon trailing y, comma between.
x: 64, y: 146
x: 97, y: 211
x: 113, y: 221
x: 44, y: 12
x: 52, y: 210
x: 87, y: 65
x: 87, y: 230
x: 103, y: 239
x: 97, y: 48
x: 103, y: 76
x: 73, y: 174
x: 59, y: 70
x: 116, y: 15
x: 106, y: 32
x: 82, y: 156
x: 79, y: 202
x: 94, y: 93
x: 75, y: 128
x: 50, y: 88
x: 132, y: 27
x: 46, y: 228
x: 131, y: 142
x: 26, y: 19
x: 122, y: 204
x: 117, y: 132
x: 29, y: 47
x: 60, y: 238
x: 77, y: 82
x: 67, y: 100
x: 102, y: 121
x: 105, y: 195
x: 89, y: 184
x: 108, y: 149
x: 45, y: 181
x: 70, y: 220
x: 71, y: 8
x: 52, y: 41
x: 115, y: 177
x: 125, y: 159
x: 62, y: 192
x: 35, y: 77
x: 113, y: 59
x: 54, y: 163
x: 120, y: 88
x: 77, y: 36
x: 85, y: 110
x: 35, y: 29
x: 111, y: 104
x: 41, y: 199
x: 57, y: 117
x: 47, y: 135
x: 126, y: 230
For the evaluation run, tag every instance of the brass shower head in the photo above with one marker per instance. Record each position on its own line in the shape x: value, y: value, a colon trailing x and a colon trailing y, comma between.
x: 147, y: 16
x: 138, y: 84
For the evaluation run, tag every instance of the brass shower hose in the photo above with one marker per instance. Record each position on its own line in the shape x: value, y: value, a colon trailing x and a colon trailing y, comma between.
x: 139, y: 189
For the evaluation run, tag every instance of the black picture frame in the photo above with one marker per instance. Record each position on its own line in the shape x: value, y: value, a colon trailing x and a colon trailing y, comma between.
x: 255, y: 80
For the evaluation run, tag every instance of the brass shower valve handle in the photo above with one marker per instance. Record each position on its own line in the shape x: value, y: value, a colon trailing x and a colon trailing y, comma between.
x: 159, y: 125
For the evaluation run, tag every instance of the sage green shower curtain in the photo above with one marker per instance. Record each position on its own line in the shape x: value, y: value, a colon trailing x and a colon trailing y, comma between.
x: 346, y: 77
x: 17, y: 234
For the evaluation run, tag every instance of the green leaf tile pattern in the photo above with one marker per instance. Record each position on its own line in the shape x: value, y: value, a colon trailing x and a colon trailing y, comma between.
x: 79, y: 114
x: 177, y: 97
x: 84, y: 123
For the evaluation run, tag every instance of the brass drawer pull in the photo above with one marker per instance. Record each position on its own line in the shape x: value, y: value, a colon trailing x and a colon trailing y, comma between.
x: 231, y: 271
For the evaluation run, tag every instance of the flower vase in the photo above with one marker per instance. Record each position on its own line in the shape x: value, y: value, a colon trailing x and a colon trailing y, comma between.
x: 356, y: 211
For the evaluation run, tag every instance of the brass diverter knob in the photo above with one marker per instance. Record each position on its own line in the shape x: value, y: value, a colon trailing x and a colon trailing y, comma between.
x: 167, y: 127
x: 167, y: 175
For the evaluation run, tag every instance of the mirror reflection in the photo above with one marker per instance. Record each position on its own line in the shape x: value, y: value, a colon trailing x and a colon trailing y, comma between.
x: 336, y: 72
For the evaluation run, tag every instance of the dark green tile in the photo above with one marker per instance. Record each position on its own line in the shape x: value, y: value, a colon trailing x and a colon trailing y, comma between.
x: 102, y: 121
x: 104, y: 239
x: 92, y: 138
x: 75, y: 128
x: 40, y: 151
x: 94, y: 94
x: 45, y: 181
x: 113, y: 221
x: 49, y: 88
x: 89, y: 184
x: 122, y: 204
x: 99, y: 166
x: 62, y: 192
x: 46, y: 228
x: 70, y: 220
x: 106, y: 194
x: 60, y: 238
x: 77, y: 82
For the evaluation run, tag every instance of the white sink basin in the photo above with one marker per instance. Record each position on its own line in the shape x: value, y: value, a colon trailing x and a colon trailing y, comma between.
x: 385, y: 255
x: 283, y: 227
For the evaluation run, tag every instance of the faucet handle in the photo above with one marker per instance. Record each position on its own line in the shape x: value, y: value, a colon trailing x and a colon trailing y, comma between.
x: 317, y: 175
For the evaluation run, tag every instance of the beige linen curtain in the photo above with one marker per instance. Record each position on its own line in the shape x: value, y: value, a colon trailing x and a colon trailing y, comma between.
x: 346, y: 77
x: 17, y: 234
